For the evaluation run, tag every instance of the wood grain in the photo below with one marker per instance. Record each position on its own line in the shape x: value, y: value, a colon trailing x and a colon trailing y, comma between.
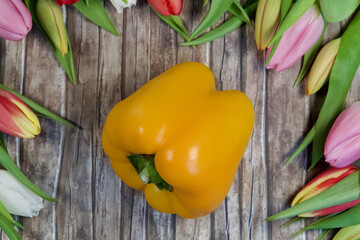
x: 71, y: 165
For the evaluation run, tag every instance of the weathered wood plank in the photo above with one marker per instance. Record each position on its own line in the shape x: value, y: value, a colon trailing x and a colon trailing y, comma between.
x: 107, y: 199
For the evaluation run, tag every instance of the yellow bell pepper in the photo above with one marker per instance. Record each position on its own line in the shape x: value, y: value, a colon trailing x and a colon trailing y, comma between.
x: 179, y: 140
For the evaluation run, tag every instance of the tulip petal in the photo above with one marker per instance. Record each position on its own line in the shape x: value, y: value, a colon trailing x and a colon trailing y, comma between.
x: 17, y: 198
x: 332, y: 173
x: 297, y: 40
x: 342, y: 145
x: 16, y: 117
x: 15, y: 21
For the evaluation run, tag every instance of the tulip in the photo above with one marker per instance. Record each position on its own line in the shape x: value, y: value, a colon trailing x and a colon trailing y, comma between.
x: 17, y: 198
x: 266, y: 21
x: 321, y: 68
x: 297, y: 40
x: 342, y: 146
x: 348, y: 233
x: 120, y: 5
x: 319, y: 184
x: 66, y: 2
x: 167, y: 7
x: 51, y: 20
x: 16, y: 117
x: 15, y: 20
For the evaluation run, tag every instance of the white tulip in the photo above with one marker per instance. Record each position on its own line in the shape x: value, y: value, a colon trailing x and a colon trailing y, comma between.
x: 17, y: 199
x: 120, y: 5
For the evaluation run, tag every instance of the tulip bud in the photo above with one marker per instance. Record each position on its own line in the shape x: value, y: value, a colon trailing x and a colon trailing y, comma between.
x: 321, y: 68
x: 297, y: 40
x: 319, y: 184
x: 342, y: 146
x: 51, y: 20
x: 348, y: 233
x: 15, y: 21
x: 120, y: 5
x: 16, y: 117
x: 266, y: 21
x: 18, y: 199
x: 167, y: 7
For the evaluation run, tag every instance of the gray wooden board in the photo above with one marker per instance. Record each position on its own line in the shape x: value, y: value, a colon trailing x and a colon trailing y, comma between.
x: 71, y: 165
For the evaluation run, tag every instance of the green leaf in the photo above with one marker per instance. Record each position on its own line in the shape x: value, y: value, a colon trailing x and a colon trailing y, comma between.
x: 324, y: 233
x: 307, y: 140
x: 301, y: 231
x: 205, y: 2
x: 337, y: 10
x: 309, y: 58
x: 216, y: 11
x: 345, y: 66
x: 227, y: 27
x: 39, y: 110
x: 6, y: 161
x: 344, y: 191
x: 145, y: 167
x: 87, y: 2
x: 174, y: 22
x: 2, y: 142
x: 96, y: 12
x: 237, y: 10
x: 125, y: 1
x: 346, y: 219
x: 67, y: 60
x: 7, y: 226
x: 296, y: 12
x: 296, y: 219
x: 284, y: 9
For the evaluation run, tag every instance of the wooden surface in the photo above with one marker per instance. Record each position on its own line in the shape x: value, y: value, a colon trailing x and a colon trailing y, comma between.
x: 71, y: 165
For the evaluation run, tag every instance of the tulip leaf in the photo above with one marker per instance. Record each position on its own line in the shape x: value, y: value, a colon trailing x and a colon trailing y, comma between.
x: 345, y: 219
x: 295, y: 13
x: 307, y: 140
x: 205, y: 2
x: 5, y: 213
x: 227, y: 27
x: 284, y: 9
x: 125, y: 1
x: 216, y: 11
x: 346, y: 63
x: 7, y: 226
x: 338, y: 10
x: 39, y: 110
x: 237, y: 10
x: 2, y: 142
x: 324, y: 233
x: 345, y: 66
x: 7, y: 163
x: 348, y: 189
x: 96, y: 12
x: 67, y: 60
x: 309, y: 58
x: 174, y: 22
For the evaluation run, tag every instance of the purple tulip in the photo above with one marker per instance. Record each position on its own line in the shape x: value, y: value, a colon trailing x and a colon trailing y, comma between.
x: 297, y: 40
x: 342, y: 146
x: 15, y: 20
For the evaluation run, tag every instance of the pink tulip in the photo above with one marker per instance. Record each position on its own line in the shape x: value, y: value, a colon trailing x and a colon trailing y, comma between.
x: 342, y: 145
x: 15, y: 20
x: 297, y: 40
x: 16, y: 118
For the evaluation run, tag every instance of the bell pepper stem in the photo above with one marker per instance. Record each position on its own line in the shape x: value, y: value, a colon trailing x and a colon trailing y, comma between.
x: 145, y: 167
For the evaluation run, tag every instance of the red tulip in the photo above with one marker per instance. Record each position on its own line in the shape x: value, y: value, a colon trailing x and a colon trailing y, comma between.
x: 16, y: 118
x: 167, y: 7
x: 319, y: 184
x: 66, y: 2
